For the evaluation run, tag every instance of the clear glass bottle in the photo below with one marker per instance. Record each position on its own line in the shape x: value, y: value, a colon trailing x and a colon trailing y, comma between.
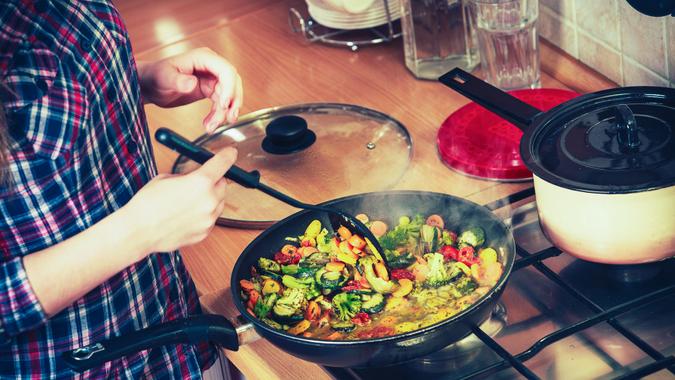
x: 438, y: 35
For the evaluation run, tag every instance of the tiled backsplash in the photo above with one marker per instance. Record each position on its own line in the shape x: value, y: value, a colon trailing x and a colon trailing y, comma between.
x: 613, y: 38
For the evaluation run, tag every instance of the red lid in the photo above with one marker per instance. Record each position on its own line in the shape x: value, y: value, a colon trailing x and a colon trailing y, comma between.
x: 475, y: 141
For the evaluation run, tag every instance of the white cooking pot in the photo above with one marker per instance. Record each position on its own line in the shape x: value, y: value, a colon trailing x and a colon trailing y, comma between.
x: 603, y: 166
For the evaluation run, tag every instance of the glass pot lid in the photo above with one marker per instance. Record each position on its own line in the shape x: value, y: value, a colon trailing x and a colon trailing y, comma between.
x: 614, y: 141
x: 313, y: 152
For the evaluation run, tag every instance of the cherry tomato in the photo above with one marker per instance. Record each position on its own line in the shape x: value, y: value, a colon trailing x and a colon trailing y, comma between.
x: 449, y: 252
x: 466, y: 256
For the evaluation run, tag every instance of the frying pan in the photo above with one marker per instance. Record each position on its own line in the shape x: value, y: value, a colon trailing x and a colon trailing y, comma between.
x: 387, y: 206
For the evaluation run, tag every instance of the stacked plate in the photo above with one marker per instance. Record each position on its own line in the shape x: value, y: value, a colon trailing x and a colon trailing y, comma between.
x: 325, y: 14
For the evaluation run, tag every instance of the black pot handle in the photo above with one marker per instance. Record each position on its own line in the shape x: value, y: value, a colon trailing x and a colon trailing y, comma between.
x: 180, y: 144
x: 194, y: 329
x: 510, y: 108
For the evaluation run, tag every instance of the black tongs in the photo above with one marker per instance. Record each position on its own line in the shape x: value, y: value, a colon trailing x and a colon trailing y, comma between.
x: 251, y: 180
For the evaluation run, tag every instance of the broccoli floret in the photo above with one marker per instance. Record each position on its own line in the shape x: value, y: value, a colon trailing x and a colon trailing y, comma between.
x: 263, y: 307
x: 437, y: 275
x: 269, y: 265
x: 346, y: 305
x: 465, y: 285
x: 474, y: 236
x: 402, y: 233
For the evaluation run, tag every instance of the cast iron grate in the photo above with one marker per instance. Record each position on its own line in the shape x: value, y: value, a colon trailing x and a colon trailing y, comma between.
x: 601, y: 315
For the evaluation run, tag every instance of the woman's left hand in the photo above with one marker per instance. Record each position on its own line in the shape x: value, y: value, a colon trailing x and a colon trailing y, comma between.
x: 191, y: 76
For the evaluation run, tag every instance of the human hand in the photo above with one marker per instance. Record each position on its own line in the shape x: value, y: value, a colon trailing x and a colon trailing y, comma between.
x: 191, y: 76
x: 172, y: 211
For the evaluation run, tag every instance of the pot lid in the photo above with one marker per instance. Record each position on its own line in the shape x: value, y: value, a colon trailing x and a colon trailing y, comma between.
x: 481, y: 144
x: 613, y: 141
x: 312, y: 152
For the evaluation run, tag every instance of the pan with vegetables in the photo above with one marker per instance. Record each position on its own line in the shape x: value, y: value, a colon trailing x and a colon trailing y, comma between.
x: 330, y: 286
x: 322, y: 296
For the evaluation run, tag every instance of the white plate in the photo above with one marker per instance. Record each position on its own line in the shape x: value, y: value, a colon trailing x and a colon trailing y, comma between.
x: 343, y: 20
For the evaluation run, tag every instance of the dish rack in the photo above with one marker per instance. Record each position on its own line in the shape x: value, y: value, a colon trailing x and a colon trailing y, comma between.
x: 312, y: 31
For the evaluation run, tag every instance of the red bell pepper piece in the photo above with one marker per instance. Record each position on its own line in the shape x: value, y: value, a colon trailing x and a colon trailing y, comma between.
x: 449, y: 253
x: 402, y: 273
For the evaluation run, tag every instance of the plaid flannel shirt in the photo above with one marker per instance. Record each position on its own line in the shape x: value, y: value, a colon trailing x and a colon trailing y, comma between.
x: 79, y: 151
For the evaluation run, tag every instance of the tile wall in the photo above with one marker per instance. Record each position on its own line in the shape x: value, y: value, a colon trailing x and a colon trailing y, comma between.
x: 610, y: 36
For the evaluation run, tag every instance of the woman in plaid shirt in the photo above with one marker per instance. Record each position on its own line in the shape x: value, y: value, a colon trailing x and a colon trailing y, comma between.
x: 88, y: 230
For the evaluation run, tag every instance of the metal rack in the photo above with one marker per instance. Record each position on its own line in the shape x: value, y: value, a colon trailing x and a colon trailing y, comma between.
x: 312, y: 31
x: 600, y: 314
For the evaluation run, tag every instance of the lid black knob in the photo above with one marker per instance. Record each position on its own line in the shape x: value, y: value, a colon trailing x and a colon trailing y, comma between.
x: 287, y: 134
x: 627, y: 128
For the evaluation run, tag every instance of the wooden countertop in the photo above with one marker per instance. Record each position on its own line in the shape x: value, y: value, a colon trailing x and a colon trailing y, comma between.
x: 280, y: 68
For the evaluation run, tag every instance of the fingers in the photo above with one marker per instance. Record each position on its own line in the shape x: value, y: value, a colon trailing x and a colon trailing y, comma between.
x: 220, y: 188
x: 219, y: 209
x: 233, y: 114
x: 218, y: 165
x: 227, y: 95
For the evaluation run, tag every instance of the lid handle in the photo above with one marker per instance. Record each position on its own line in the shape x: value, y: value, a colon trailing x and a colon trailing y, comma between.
x: 287, y: 134
x: 627, y: 129
x: 509, y: 107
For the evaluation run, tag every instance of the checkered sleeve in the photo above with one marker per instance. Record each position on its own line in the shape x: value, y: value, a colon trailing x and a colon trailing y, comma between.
x: 20, y: 309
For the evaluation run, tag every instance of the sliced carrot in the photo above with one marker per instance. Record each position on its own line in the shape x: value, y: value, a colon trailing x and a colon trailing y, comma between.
x: 378, y: 228
x: 362, y: 217
x: 344, y: 233
x: 313, y: 311
x: 334, y: 336
x: 301, y: 327
x: 435, y: 220
x: 246, y: 285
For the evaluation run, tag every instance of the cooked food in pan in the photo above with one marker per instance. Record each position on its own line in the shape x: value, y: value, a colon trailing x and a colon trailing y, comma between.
x: 335, y: 286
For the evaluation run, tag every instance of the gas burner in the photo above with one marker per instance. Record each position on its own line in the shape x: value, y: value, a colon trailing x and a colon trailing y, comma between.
x: 611, y: 284
x: 634, y: 273
x: 468, y: 350
x: 464, y: 356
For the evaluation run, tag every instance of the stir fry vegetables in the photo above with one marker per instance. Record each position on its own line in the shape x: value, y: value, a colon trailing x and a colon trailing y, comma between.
x: 332, y: 286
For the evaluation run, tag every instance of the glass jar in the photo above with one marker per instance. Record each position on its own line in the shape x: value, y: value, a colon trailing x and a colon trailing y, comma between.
x: 438, y: 35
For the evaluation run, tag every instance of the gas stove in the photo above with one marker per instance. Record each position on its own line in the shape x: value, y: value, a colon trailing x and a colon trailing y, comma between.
x: 559, y: 318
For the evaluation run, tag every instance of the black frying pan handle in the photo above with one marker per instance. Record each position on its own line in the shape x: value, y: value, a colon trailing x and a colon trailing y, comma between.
x: 510, y: 108
x: 180, y: 144
x: 193, y: 330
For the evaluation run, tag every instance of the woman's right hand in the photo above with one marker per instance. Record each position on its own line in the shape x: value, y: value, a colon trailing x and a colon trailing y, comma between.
x: 172, y: 211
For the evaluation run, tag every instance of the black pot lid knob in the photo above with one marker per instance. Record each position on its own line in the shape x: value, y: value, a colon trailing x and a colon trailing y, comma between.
x: 627, y: 129
x: 287, y: 134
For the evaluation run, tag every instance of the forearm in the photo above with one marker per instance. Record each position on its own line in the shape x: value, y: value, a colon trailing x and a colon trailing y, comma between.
x: 144, y: 80
x: 65, y: 272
